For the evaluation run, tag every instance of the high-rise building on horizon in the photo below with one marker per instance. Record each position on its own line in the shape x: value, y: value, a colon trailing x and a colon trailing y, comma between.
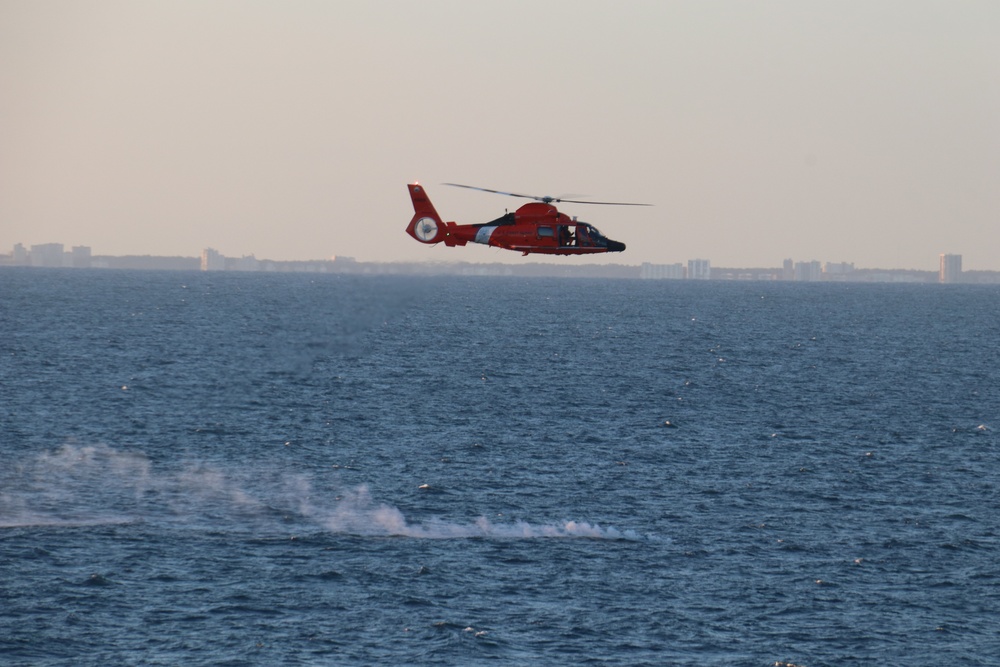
x: 808, y: 271
x: 837, y: 270
x: 212, y: 260
x: 951, y: 269
x: 49, y: 255
x: 650, y: 271
x: 80, y: 257
x: 699, y: 269
x: 20, y: 255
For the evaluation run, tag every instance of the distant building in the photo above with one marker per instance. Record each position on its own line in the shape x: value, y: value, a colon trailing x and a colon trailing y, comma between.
x: 699, y: 269
x: 48, y: 255
x: 212, y: 260
x: 788, y: 270
x: 808, y: 271
x: 80, y: 255
x: 745, y: 274
x: 20, y: 256
x: 837, y: 270
x: 245, y: 263
x: 951, y: 269
x: 661, y: 271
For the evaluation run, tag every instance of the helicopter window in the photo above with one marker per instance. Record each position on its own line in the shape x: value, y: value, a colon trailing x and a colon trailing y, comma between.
x: 545, y: 232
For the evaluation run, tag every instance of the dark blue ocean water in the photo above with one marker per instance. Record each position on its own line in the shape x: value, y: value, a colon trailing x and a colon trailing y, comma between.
x: 250, y: 469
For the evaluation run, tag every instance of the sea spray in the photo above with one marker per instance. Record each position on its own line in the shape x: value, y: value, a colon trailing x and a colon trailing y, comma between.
x: 357, y: 513
x: 96, y: 485
x: 74, y: 485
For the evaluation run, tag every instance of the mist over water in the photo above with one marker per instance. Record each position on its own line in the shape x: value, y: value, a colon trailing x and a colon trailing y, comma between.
x: 97, y: 485
x: 290, y: 469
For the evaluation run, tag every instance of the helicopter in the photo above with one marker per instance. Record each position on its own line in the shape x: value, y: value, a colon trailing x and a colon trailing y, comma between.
x: 536, y: 227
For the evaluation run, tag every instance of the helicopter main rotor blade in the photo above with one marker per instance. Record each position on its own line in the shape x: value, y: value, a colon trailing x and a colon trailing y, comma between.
x: 603, y: 203
x: 547, y: 200
x: 496, y: 192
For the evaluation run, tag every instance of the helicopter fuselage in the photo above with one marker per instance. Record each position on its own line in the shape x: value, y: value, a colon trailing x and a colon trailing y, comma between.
x: 537, y: 227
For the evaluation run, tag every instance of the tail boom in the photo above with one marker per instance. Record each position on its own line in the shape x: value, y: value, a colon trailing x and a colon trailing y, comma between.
x: 426, y: 225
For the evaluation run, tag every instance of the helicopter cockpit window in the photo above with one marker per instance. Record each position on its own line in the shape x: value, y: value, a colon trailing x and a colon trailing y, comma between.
x: 545, y: 232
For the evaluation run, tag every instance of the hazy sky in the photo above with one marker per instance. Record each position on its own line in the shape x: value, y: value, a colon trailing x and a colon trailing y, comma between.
x: 866, y: 132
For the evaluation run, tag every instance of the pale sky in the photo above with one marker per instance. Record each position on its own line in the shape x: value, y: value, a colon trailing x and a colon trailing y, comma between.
x: 860, y: 131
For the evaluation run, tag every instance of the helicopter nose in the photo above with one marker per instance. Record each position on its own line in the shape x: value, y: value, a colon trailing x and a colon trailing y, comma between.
x: 615, y: 246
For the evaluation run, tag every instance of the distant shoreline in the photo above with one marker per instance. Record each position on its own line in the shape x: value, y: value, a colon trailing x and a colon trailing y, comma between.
x: 530, y: 269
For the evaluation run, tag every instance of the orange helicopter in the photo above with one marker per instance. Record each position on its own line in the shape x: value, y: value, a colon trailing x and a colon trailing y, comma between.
x: 536, y: 227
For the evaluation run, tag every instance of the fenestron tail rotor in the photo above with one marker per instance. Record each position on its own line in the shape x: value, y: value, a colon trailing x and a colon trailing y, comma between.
x: 547, y: 199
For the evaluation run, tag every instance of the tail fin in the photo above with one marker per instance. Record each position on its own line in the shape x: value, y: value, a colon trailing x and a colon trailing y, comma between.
x: 426, y: 225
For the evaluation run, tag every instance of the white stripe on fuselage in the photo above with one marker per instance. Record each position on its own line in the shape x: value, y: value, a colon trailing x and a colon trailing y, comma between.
x: 484, y: 234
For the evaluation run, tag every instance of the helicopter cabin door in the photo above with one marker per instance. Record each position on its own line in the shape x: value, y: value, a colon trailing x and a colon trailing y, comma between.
x: 566, y: 236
